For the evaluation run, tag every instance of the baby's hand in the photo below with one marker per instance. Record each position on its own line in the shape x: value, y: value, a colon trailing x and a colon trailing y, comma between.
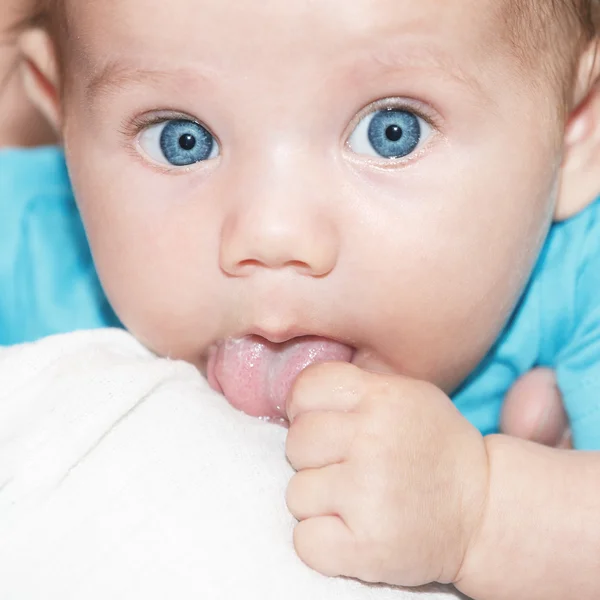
x: 391, y: 481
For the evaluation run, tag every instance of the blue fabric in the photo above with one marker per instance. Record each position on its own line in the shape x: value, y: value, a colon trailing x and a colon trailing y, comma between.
x: 48, y: 285
x: 557, y: 325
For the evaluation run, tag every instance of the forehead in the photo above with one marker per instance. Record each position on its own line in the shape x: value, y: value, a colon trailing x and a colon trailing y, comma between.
x: 220, y: 30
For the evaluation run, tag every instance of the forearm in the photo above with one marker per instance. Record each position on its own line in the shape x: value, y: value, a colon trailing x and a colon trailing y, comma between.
x: 540, y: 534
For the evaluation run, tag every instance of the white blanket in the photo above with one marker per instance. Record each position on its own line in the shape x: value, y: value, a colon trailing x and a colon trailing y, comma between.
x: 125, y: 476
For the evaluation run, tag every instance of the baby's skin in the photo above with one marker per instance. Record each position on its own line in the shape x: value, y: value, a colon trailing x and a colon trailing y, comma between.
x: 269, y: 185
x: 21, y: 124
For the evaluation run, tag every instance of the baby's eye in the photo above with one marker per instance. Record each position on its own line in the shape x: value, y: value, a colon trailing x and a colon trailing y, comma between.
x: 389, y: 133
x: 179, y: 143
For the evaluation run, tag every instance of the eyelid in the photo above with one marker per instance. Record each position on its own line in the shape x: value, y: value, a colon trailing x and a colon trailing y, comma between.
x: 399, y: 103
x: 421, y: 110
x: 396, y: 103
x: 132, y: 128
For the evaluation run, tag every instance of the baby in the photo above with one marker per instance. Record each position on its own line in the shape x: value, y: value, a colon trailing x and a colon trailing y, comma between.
x: 369, y: 186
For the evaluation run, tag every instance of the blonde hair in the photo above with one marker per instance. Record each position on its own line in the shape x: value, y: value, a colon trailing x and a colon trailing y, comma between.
x: 533, y: 27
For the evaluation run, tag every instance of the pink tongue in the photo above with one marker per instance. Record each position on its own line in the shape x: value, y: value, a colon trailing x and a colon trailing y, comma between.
x: 256, y: 375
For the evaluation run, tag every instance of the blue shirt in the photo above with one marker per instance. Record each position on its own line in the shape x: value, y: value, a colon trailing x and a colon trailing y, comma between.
x: 557, y: 325
x: 48, y: 285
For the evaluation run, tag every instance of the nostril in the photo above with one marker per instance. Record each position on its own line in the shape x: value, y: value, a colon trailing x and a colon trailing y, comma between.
x: 248, y: 247
x: 249, y: 263
x: 290, y: 264
x: 298, y: 265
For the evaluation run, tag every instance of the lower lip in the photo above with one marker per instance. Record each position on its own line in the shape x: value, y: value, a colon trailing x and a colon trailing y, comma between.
x: 215, y: 385
x: 267, y: 412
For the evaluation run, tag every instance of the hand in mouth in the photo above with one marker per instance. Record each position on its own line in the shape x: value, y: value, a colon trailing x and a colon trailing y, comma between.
x: 256, y: 375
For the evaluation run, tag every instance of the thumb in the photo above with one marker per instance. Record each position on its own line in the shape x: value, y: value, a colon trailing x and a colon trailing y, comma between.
x: 533, y: 410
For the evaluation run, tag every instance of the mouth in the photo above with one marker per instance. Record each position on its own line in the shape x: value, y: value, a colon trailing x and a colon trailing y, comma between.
x: 256, y: 373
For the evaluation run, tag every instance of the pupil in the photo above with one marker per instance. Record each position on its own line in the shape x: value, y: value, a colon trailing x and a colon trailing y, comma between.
x: 187, y: 141
x: 394, y: 133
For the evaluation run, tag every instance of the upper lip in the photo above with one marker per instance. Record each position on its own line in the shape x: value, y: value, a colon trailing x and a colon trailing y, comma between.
x: 278, y: 336
x: 282, y: 336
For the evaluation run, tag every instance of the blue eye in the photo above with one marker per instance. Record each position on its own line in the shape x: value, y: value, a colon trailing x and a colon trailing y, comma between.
x: 390, y: 133
x: 179, y: 143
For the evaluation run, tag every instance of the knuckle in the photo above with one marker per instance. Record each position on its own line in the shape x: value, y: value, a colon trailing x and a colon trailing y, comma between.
x: 319, y: 373
x: 311, y: 375
x: 316, y: 549
x: 295, y: 442
x: 293, y: 496
x: 304, y: 384
x: 303, y: 543
x: 303, y: 389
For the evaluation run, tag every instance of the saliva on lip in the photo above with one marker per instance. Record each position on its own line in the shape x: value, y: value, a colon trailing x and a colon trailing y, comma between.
x: 276, y: 421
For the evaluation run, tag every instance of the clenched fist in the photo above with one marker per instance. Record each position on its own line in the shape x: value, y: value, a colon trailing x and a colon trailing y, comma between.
x: 391, y: 480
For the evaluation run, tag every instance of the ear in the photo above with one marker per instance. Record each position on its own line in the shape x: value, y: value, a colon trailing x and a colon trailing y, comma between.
x: 39, y: 70
x: 580, y: 177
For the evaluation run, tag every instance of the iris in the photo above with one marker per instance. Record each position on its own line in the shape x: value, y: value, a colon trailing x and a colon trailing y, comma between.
x: 185, y: 143
x: 394, y: 133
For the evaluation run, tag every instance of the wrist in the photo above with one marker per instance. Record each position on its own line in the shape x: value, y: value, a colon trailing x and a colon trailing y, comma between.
x: 467, y: 514
x: 475, y: 519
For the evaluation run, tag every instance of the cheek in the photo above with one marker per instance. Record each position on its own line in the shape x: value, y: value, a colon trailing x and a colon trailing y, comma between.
x: 154, y: 246
x: 445, y: 258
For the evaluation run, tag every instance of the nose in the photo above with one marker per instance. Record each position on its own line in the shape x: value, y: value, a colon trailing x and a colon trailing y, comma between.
x: 278, y: 225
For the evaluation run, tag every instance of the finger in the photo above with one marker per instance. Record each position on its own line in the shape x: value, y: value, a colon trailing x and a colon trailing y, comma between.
x: 318, y: 439
x: 533, y: 409
x: 316, y: 493
x: 326, y: 387
x: 326, y: 545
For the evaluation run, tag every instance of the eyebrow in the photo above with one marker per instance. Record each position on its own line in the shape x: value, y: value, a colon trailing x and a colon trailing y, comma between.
x: 394, y: 57
x: 115, y: 76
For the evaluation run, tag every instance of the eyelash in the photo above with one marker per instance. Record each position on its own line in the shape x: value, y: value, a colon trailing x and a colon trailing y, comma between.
x: 131, y: 129
x: 399, y: 103
x: 421, y: 110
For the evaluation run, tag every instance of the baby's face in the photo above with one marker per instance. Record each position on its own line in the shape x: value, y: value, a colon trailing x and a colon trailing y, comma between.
x: 376, y: 172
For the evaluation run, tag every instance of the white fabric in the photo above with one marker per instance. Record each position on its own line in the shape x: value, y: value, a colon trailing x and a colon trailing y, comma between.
x: 125, y: 476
